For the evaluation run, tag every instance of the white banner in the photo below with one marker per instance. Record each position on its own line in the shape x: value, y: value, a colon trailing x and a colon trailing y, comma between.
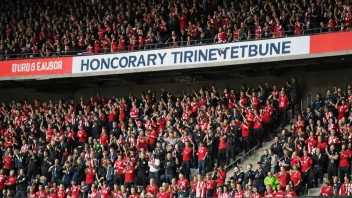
x: 191, y: 57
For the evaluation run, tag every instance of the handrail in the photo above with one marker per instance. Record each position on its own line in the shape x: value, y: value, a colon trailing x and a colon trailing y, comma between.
x: 161, y: 45
x: 306, y: 98
x: 242, y: 157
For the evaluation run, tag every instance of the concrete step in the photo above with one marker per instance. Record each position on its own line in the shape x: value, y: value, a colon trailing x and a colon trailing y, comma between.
x: 314, y: 191
x: 253, y: 159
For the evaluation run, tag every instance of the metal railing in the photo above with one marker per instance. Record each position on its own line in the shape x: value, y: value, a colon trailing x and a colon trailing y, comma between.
x: 163, y: 45
x: 239, y: 160
x: 306, y: 101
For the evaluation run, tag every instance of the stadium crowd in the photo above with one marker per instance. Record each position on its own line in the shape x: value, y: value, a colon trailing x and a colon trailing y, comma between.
x: 145, y: 146
x: 54, y: 27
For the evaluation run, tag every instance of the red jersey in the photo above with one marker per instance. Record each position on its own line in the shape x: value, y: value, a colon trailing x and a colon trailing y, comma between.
x: 222, y: 143
x: 345, y: 158
x: 292, y: 193
x: 295, y: 177
x: 269, y: 194
x: 342, y: 111
x: 2, y: 182
x: 163, y: 195
x: 183, y: 184
x: 105, y: 192
x: 187, y: 153
x: 152, y: 189
x: 90, y: 175
x: 306, y: 163
x: 280, y: 193
x: 7, y: 162
x: 282, y: 177
x: 129, y: 175
x: 283, y: 102
x: 151, y: 137
x: 75, y: 191
x: 82, y: 135
x: 202, y: 151
x: 41, y: 193
x: 134, y: 113
x: 245, y: 126
x: 326, y: 191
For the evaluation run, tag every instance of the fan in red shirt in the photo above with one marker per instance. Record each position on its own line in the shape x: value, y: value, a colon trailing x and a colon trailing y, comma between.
x: 90, y: 173
x: 342, y: 109
x: 282, y: 176
x: 104, y: 138
x: 221, y: 36
x: 182, y: 185
x: 269, y: 192
x: 7, y: 163
x: 299, y: 125
x: 278, y: 29
x: 41, y: 192
x: 75, y: 189
x: 82, y: 135
x: 129, y: 174
x: 289, y: 192
x: 94, y: 192
x: 134, y: 112
x: 221, y: 175
x: 96, y: 47
x: 152, y: 188
x: 296, y: 178
x: 326, y: 189
x: 105, y: 191
x: 163, y: 193
x: 344, y: 165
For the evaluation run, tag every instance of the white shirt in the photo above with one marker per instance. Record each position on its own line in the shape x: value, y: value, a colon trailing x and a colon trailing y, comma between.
x: 157, y: 163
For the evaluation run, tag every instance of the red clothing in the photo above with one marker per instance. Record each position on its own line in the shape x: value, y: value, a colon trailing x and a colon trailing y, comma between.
x: 105, y: 192
x: 222, y: 143
x: 129, y: 176
x: 163, y: 195
x: 2, y: 182
x: 282, y: 177
x: 183, y: 184
x: 342, y: 111
x: 201, y: 152
x: 346, y: 189
x: 119, y: 166
x: 295, y: 177
x: 326, y: 191
x: 292, y: 193
x: 104, y: 140
x: 134, y: 113
x: 187, y: 153
x: 7, y: 162
x: 152, y: 189
x: 75, y: 191
x: 221, y: 177
x: 152, y: 137
x: 245, y: 126
x: 269, y: 194
x: 345, y: 158
x: 280, y: 194
x: 41, y: 193
x: 283, y: 102
x: 90, y: 175
x: 81, y: 136
x: 306, y: 163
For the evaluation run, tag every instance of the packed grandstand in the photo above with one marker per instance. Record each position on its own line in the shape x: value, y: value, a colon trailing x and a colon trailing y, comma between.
x: 172, y: 144
x: 53, y: 28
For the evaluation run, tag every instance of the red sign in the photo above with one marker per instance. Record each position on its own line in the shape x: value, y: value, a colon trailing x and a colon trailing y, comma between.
x: 34, y: 67
x: 335, y: 42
